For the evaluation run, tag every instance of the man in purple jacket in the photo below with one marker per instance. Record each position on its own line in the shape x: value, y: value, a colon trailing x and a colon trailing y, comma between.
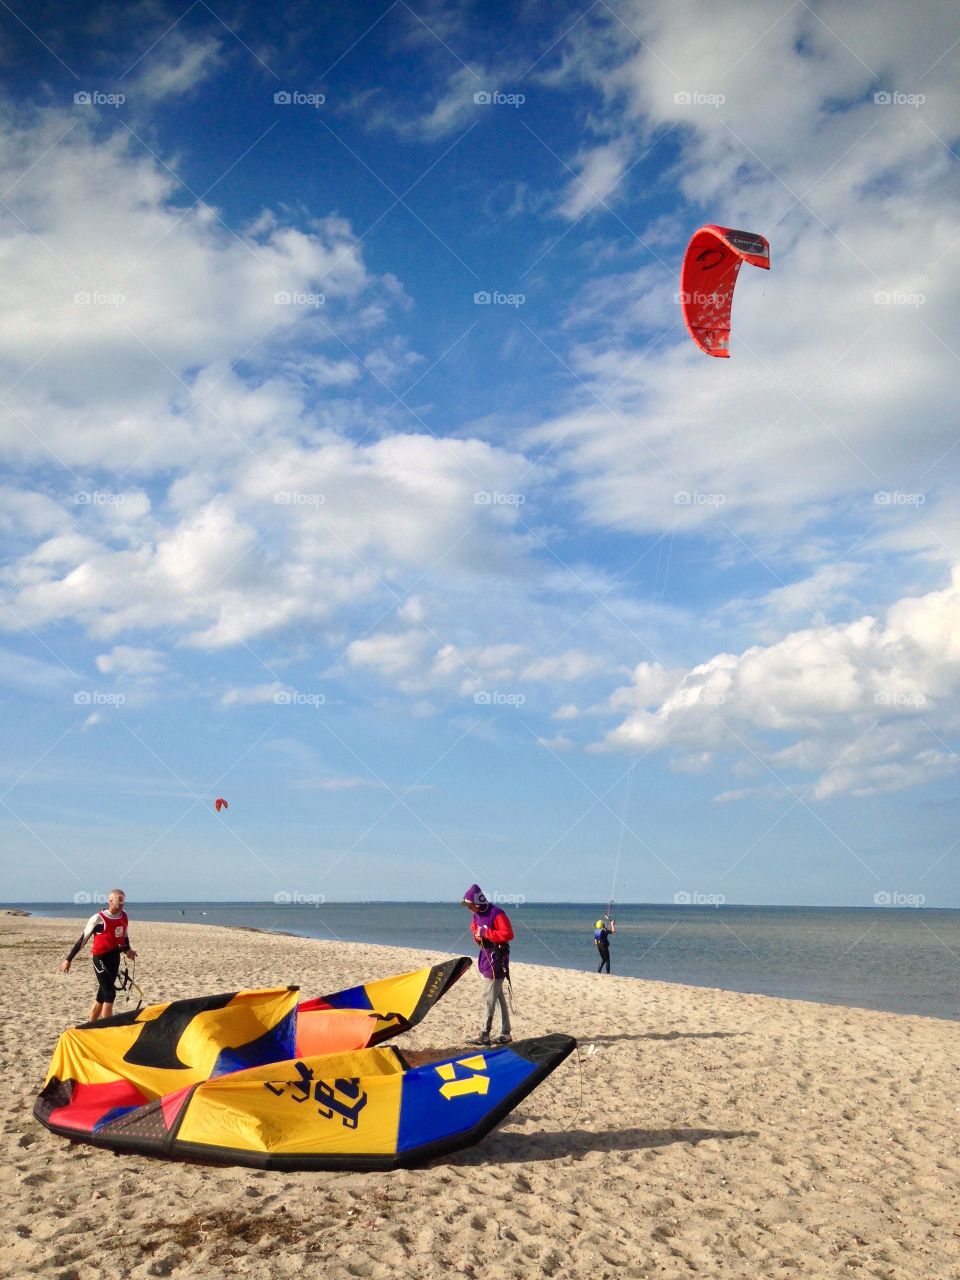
x: 492, y: 932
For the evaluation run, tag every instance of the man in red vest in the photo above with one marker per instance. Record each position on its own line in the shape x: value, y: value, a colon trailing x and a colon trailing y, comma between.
x: 109, y: 930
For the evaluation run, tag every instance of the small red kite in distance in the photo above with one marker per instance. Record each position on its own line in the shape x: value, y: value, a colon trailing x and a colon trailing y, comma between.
x: 221, y: 804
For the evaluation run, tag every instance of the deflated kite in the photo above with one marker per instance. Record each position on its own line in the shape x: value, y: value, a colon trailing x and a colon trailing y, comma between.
x: 254, y: 1078
x: 710, y: 268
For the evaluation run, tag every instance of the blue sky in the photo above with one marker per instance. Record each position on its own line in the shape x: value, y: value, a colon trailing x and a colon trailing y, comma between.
x: 434, y: 588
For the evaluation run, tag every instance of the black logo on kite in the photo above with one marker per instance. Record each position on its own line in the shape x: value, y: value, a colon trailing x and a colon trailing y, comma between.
x: 710, y: 258
x: 156, y: 1045
x: 329, y: 1095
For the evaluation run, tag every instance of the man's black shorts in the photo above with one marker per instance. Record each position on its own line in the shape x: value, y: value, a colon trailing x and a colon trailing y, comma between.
x: 106, y: 967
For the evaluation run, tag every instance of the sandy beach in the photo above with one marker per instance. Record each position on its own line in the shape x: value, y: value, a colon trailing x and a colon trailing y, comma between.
x: 697, y: 1132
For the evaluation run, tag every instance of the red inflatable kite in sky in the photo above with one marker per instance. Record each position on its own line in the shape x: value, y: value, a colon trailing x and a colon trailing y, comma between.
x: 710, y: 266
x: 221, y: 804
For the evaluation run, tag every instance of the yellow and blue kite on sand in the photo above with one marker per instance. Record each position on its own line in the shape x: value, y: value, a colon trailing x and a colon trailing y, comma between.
x: 256, y: 1078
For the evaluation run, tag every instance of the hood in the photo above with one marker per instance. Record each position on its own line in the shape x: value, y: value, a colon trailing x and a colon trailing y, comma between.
x: 475, y: 898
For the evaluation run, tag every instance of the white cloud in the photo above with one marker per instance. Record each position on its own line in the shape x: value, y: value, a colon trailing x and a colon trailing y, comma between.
x: 600, y: 170
x: 126, y: 660
x: 260, y: 512
x: 254, y: 695
x: 567, y: 712
x: 569, y: 666
x: 20, y: 671
x: 860, y: 707
x: 175, y: 66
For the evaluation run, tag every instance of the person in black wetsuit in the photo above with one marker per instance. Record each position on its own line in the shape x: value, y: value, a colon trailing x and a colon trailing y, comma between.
x: 109, y: 930
x: 601, y: 936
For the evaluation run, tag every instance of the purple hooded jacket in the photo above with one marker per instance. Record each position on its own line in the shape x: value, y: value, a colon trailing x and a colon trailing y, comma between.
x: 492, y: 932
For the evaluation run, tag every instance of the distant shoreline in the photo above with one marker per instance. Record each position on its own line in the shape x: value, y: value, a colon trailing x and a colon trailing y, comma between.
x: 590, y: 905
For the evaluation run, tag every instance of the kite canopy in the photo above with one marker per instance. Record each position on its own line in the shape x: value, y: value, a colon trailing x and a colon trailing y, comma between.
x: 710, y: 268
x: 253, y: 1078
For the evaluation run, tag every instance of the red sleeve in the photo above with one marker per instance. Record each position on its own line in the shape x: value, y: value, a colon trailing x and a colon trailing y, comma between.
x: 500, y: 930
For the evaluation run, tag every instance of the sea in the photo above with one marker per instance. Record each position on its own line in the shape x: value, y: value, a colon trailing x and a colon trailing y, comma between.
x: 902, y: 960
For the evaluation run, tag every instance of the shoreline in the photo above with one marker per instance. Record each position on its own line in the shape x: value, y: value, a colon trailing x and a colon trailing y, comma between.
x: 696, y: 1131
x: 515, y: 963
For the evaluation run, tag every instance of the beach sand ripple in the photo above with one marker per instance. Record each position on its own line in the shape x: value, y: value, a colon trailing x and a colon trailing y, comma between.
x: 697, y: 1133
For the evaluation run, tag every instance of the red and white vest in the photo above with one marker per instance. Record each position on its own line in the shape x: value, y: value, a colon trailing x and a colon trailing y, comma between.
x: 113, y: 936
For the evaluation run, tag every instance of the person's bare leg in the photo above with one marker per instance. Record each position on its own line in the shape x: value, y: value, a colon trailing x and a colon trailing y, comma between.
x: 107, y: 1010
x: 95, y: 1011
